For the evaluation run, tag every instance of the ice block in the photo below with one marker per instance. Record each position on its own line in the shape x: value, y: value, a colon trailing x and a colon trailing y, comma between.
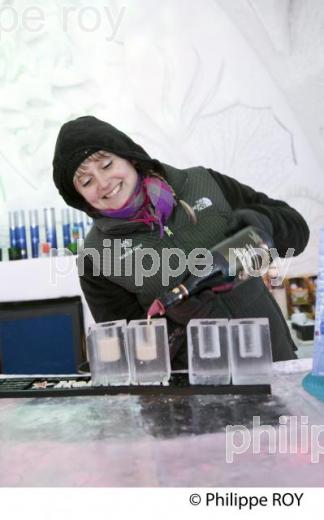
x: 208, y: 359
x: 149, y: 351
x: 250, y: 351
x: 108, y: 353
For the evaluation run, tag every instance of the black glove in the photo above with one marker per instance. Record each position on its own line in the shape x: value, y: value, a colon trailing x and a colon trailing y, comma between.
x: 241, y: 218
x: 198, y: 306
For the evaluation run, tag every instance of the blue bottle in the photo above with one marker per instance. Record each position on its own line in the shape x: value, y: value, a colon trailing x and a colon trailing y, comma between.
x: 34, y: 232
x: 50, y: 227
x: 12, y: 230
x: 81, y: 225
x: 78, y: 223
x: 314, y: 382
x: 66, y: 227
x: 19, y: 220
x: 318, y: 359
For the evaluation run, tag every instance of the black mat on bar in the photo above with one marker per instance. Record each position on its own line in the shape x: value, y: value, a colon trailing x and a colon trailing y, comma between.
x: 179, y: 385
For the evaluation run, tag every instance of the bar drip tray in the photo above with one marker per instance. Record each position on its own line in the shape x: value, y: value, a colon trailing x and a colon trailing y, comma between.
x: 79, y: 385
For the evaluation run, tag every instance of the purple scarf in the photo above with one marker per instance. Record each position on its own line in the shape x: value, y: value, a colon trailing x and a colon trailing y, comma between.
x: 152, y: 201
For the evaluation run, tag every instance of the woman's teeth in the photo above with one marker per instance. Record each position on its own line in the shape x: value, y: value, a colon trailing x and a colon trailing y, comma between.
x: 114, y: 191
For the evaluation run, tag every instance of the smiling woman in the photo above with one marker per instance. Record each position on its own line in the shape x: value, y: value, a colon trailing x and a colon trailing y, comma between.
x: 139, y: 200
x: 105, y: 180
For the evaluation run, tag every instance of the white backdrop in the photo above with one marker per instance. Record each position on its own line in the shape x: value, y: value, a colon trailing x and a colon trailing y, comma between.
x: 235, y: 85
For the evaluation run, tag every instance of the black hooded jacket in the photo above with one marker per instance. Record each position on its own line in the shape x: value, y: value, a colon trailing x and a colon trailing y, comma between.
x: 112, y: 298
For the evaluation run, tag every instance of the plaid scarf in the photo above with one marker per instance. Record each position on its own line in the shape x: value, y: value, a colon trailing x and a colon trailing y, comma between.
x: 152, y: 201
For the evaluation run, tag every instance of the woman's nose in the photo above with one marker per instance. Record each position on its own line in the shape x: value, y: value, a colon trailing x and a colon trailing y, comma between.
x: 103, y: 180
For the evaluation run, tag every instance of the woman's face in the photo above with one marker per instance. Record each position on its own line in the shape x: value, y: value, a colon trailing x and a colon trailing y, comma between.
x: 105, y: 180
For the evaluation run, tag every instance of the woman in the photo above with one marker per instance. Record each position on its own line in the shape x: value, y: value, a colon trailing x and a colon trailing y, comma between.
x: 139, y: 203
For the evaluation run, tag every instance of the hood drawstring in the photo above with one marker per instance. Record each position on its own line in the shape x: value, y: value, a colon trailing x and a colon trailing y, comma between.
x: 188, y: 209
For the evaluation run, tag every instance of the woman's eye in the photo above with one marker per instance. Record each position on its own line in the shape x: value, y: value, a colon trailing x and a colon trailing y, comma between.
x: 107, y: 165
x: 86, y: 183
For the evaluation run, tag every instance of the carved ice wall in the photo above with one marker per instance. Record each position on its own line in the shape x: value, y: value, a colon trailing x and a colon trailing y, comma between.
x: 237, y: 86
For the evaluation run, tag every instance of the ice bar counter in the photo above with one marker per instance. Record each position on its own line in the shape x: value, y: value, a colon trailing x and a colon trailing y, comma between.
x: 154, y: 439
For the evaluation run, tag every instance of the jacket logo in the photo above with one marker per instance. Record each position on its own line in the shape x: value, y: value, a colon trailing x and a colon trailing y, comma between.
x: 124, y: 244
x: 128, y: 250
x: 202, y: 203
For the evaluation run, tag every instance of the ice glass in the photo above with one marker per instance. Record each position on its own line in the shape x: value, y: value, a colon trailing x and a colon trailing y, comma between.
x: 108, y: 354
x: 250, y: 351
x: 149, y: 354
x: 208, y: 358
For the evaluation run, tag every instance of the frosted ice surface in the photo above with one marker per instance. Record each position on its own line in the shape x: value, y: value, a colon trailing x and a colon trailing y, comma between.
x: 153, y: 441
x: 294, y: 365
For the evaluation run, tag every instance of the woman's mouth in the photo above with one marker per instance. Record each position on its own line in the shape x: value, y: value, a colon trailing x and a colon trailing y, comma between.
x: 113, y: 192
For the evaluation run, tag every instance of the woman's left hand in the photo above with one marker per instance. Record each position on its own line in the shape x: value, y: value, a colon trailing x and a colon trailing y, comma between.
x: 195, y: 307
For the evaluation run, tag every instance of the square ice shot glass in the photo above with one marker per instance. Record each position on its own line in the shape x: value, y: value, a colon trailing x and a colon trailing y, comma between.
x: 149, y: 354
x: 250, y: 351
x: 108, y: 354
x: 208, y: 358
